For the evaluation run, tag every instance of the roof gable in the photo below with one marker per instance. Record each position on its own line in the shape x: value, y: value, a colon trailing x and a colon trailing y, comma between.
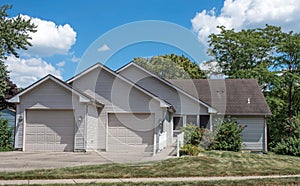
x: 167, y: 83
x: 82, y: 96
x: 229, y: 96
x: 162, y: 102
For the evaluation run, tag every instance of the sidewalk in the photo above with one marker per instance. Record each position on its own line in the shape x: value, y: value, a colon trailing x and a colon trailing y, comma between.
x: 116, y: 180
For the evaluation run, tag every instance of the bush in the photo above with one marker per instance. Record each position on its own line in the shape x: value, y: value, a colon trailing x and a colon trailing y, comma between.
x: 5, y: 136
x: 283, y: 129
x: 228, y: 136
x: 190, y: 150
x: 196, y: 136
x: 291, y: 146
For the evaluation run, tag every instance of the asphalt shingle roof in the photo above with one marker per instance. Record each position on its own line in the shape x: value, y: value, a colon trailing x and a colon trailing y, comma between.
x: 228, y: 96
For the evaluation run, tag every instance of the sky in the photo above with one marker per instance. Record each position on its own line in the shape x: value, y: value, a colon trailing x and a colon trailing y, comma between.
x: 73, y: 35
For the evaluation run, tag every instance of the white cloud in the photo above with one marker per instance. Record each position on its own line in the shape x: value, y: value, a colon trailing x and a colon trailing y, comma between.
x: 61, y: 64
x: 103, y: 48
x: 75, y: 59
x: 24, y: 72
x: 50, y: 38
x: 239, y: 14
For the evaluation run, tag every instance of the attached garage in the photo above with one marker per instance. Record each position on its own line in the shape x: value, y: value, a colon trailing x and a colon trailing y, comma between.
x: 130, y: 132
x: 49, y: 130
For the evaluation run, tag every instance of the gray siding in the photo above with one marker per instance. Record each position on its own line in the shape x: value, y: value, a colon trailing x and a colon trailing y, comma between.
x: 9, y: 115
x: 49, y: 95
x: 118, y: 97
x: 182, y: 103
x: 254, y: 134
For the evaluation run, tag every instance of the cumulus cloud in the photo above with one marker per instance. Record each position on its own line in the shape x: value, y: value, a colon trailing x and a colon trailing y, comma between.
x: 50, y: 38
x: 24, y: 72
x: 239, y: 14
x: 103, y: 48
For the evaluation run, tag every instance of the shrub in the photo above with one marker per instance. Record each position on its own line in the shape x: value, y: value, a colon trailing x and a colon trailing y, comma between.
x: 5, y: 136
x: 291, y: 146
x: 228, y: 136
x: 196, y: 136
x: 191, y: 150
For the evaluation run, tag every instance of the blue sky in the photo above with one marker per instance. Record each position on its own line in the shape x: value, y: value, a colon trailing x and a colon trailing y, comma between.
x: 67, y: 28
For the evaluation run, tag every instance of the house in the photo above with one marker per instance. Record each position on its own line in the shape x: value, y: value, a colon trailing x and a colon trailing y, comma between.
x: 129, y: 109
x: 9, y: 115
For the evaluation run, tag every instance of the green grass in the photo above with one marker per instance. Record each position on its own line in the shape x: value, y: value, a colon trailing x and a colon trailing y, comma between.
x: 212, y: 163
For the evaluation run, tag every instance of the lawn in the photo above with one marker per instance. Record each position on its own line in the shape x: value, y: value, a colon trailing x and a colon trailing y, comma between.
x: 211, y: 163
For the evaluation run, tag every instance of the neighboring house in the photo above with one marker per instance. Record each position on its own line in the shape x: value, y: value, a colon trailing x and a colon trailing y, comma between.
x: 9, y: 115
x: 127, y: 109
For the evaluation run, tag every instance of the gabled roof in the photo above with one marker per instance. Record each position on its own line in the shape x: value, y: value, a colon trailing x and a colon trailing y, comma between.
x: 82, y: 96
x: 179, y: 89
x: 162, y: 102
x: 240, y: 96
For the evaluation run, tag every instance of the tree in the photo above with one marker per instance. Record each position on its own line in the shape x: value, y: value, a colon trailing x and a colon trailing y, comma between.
x: 5, y: 136
x: 245, y: 54
x: 288, y: 65
x: 14, y: 36
x: 171, y: 67
x: 11, y: 90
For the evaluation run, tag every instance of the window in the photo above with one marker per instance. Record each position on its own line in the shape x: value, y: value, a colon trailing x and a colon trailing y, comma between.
x: 204, y: 121
x: 177, y: 122
x: 191, y: 119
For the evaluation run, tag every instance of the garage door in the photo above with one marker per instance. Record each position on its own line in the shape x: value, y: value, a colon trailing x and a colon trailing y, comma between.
x: 130, y: 132
x: 51, y: 130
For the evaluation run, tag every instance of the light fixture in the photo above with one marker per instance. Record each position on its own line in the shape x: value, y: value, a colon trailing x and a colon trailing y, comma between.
x: 80, y: 119
x: 20, y: 118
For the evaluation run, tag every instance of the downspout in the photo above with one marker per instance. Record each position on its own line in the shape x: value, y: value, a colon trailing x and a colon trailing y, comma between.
x: 266, y: 135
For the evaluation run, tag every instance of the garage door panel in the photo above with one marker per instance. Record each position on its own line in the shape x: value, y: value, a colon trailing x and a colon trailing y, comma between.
x: 127, y: 132
x: 49, y: 130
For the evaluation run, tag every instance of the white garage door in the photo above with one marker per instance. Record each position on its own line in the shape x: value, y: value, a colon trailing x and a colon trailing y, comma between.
x: 51, y: 130
x: 130, y: 132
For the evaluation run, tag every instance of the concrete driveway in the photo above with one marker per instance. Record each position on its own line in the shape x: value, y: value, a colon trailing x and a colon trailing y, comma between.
x: 20, y: 161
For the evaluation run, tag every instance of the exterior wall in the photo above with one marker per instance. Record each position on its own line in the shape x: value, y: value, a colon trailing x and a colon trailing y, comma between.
x: 182, y: 103
x: 9, y: 115
x: 92, y: 127
x: 118, y: 97
x: 49, y: 95
x: 254, y: 135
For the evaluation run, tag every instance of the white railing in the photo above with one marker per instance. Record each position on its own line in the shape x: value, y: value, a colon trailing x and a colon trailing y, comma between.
x: 162, y: 141
x: 180, y: 142
x: 154, y: 145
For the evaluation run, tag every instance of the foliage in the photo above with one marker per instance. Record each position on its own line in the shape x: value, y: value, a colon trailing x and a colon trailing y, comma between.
x: 245, y: 54
x: 192, y: 134
x: 228, y: 136
x: 285, y: 129
x: 291, y: 146
x: 6, y: 134
x: 9, y: 92
x: 286, y: 137
x: 14, y: 35
x: 190, y: 150
x: 171, y: 67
